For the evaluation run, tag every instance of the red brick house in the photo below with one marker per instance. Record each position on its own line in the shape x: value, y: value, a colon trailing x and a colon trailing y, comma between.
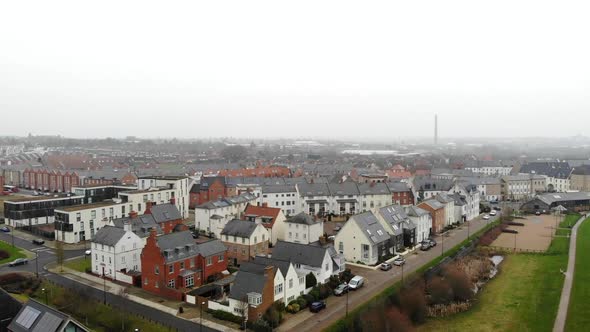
x: 166, y: 216
x: 173, y: 263
x: 401, y: 193
x: 51, y: 181
x: 272, y: 219
x: 437, y: 211
x: 211, y: 188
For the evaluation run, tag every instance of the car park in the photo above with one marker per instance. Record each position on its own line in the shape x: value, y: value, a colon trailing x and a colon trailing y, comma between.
x: 317, y: 306
x: 38, y: 241
x: 486, y: 217
x: 385, y: 267
x: 341, y: 289
x: 399, y: 261
x: 356, y: 282
x: 4, y: 229
x: 19, y: 261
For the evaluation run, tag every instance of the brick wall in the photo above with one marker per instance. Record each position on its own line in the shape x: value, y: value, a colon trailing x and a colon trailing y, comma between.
x: 244, y: 252
x: 267, y: 296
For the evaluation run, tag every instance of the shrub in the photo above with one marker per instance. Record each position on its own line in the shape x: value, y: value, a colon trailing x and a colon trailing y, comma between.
x: 310, y: 280
x: 413, y: 303
x: 274, y: 317
x: 324, y: 291
x: 397, y: 320
x: 223, y: 315
x: 302, y: 302
x: 315, y: 293
x: 459, y: 283
x: 4, y: 254
x: 346, y: 276
x: 334, y: 282
x: 308, y: 297
x: 440, y: 291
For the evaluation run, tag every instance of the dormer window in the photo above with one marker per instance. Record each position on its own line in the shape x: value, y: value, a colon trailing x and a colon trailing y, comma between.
x: 254, y: 299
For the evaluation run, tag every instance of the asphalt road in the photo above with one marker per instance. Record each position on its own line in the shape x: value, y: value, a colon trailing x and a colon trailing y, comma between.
x: 46, y: 255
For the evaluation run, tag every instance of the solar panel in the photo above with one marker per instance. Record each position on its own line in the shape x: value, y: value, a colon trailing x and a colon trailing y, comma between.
x: 49, y: 322
x: 28, y: 317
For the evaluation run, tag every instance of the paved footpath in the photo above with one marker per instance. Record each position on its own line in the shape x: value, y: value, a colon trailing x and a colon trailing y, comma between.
x: 559, y: 325
x: 375, y: 282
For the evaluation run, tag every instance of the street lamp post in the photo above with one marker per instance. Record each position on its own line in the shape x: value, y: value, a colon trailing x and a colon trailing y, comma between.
x: 104, y: 286
x: 37, y: 264
x: 201, y: 324
x: 348, y: 291
x: 44, y: 291
x: 514, y: 242
x: 403, y: 273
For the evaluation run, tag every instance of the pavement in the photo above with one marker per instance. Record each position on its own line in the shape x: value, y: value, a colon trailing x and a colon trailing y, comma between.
x: 559, y: 324
x: 48, y: 243
x: 376, y: 281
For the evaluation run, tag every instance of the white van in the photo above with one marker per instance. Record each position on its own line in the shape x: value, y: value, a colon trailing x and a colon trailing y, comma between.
x: 356, y: 282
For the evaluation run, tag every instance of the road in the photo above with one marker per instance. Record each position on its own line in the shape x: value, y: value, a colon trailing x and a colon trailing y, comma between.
x: 375, y: 282
x: 46, y: 256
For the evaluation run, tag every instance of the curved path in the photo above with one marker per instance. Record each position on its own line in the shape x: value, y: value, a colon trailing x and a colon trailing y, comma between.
x: 559, y: 325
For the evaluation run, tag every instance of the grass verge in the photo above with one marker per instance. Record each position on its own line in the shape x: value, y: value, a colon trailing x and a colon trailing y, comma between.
x: 14, y: 252
x: 577, y: 316
x: 79, y: 264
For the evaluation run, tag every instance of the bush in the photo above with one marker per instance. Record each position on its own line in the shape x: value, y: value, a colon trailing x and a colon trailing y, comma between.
x: 223, y: 315
x: 4, y: 254
x: 302, y: 302
x: 308, y: 297
x: 440, y: 291
x: 324, y: 291
x: 274, y: 317
x: 413, y: 303
x: 346, y: 276
x: 315, y: 293
x: 334, y: 282
x: 310, y: 280
x: 460, y: 284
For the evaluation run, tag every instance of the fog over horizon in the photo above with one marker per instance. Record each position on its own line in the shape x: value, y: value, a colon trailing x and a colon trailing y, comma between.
x: 316, y: 69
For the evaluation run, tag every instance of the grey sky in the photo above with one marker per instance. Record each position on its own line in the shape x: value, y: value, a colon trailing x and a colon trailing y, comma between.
x: 303, y: 68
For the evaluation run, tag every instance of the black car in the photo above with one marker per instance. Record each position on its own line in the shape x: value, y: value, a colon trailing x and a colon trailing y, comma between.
x: 19, y: 261
x: 317, y: 306
x: 497, y: 208
x: 4, y: 229
x: 38, y: 241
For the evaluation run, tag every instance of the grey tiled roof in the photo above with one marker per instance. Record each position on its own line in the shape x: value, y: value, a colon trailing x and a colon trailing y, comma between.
x: 141, y: 225
x: 210, y: 248
x: 434, y: 204
x: 394, y: 215
x: 283, y: 266
x: 371, y: 227
x: 444, y: 198
x: 301, y: 218
x: 344, y: 188
x: 314, y: 189
x: 176, y: 246
x: 397, y: 187
x: 374, y: 189
x: 299, y: 253
x: 239, y: 228
x: 247, y: 282
x: 281, y: 188
x: 415, y: 211
x: 108, y: 235
x: 560, y: 170
x: 165, y: 212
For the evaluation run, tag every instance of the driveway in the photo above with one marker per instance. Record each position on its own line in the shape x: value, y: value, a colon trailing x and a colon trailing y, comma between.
x: 376, y: 282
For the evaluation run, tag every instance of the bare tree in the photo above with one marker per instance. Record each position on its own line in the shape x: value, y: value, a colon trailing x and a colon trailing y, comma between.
x: 59, y: 253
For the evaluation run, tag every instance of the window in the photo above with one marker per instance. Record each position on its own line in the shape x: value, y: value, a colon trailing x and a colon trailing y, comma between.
x: 290, y: 283
x: 263, y: 239
x: 123, y: 210
x: 209, y: 261
x: 110, y: 262
x: 111, y: 212
x: 278, y: 289
x: 243, y: 240
x: 182, y: 265
x: 290, y: 235
x: 189, y: 281
x: 93, y: 214
x: 123, y: 259
x: 78, y: 217
x: 171, y: 283
x: 220, y: 258
x: 327, y: 266
x: 256, y: 239
x: 103, y: 213
x: 301, y: 280
x: 171, y: 268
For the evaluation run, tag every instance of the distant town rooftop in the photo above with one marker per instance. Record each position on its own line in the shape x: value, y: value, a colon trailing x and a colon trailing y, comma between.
x: 149, y: 190
x: 163, y: 177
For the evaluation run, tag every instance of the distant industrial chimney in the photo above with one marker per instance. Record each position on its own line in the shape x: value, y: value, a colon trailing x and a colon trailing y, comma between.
x: 435, y: 129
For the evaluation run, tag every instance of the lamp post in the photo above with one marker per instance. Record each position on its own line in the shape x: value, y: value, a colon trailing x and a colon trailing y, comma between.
x: 514, y: 242
x: 44, y: 291
x: 104, y: 285
x: 403, y: 272
x: 37, y: 263
x: 201, y: 318
x: 442, y: 244
x: 348, y: 291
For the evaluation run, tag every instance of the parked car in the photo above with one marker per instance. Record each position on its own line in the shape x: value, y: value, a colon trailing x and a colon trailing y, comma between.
x: 19, y: 261
x: 399, y: 261
x: 88, y: 252
x: 432, y: 242
x: 492, y: 213
x: 38, y: 241
x: 486, y: 217
x: 337, y: 228
x: 497, y: 208
x: 4, y: 229
x: 341, y: 289
x: 424, y: 245
x: 385, y: 266
x: 356, y: 282
x: 317, y: 306
x: 537, y: 213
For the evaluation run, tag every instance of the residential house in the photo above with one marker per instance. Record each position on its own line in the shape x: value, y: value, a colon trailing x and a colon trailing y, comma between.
x: 396, y: 222
x: 244, y: 240
x: 253, y: 291
x: 363, y: 239
x: 315, y: 198
x: 32, y: 211
x: 557, y: 174
x: 449, y: 203
x: 401, y: 193
x: 374, y: 195
x: 371, y: 178
x: 179, y: 184
x: 580, y: 178
x: 293, y: 283
x: 343, y: 198
x: 423, y: 221
x: 519, y: 187
x: 212, y: 216
x: 173, y: 262
x: 471, y: 196
x: 115, y: 252
x: 283, y: 196
x: 271, y: 218
x: 428, y: 187
x: 302, y: 228
x: 489, y: 168
x: 321, y: 260
x: 437, y: 212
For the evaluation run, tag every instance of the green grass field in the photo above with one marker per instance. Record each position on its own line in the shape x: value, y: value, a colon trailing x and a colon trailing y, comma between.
x: 579, y: 306
x: 523, y: 297
x: 79, y: 264
x: 14, y: 252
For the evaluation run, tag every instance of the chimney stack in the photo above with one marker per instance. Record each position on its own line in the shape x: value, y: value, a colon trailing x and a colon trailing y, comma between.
x: 132, y: 214
x: 265, y: 204
x: 148, y: 207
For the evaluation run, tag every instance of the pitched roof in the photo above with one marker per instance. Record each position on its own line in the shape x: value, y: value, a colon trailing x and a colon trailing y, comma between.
x: 141, y: 225
x: 283, y: 266
x: 398, y: 187
x: 299, y: 253
x: 344, y: 188
x: 314, y: 189
x: 263, y: 211
x: 109, y: 235
x: 228, y: 201
x: 176, y: 246
x: 394, y: 215
x: 434, y: 204
x: 212, y: 247
x: 302, y: 218
x: 560, y: 170
x: 278, y: 188
x: 165, y: 212
x: 239, y: 228
x: 414, y: 211
x: 444, y: 198
x: 247, y: 282
x: 374, y: 189
x: 370, y: 227
x: 36, y: 317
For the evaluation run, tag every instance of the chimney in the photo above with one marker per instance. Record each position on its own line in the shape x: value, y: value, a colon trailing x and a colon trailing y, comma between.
x: 127, y: 226
x: 265, y: 204
x: 269, y: 272
x: 148, y: 207
x: 132, y: 214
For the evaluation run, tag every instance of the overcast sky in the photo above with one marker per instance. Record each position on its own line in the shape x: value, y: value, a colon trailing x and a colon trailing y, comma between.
x: 294, y: 69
